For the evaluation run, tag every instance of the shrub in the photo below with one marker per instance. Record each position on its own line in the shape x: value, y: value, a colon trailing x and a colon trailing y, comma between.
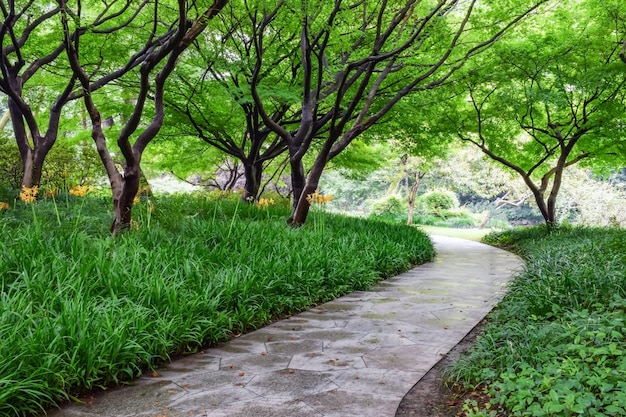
x: 389, y: 207
x: 437, y: 202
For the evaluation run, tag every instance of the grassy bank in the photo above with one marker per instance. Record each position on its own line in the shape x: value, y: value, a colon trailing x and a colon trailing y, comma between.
x: 80, y: 309
x: 555, y: 345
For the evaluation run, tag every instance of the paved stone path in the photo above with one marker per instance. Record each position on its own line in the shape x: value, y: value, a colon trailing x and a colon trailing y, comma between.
x: 355, y: 356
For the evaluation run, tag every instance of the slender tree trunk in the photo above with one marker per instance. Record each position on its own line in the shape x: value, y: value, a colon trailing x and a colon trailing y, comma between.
x: 539, y: 199
x: 413, y: 194
x: 123, y: 204
x: 33, y: 158
x: 556, y: 183
x: 6, y: 118
x: 485, y: 221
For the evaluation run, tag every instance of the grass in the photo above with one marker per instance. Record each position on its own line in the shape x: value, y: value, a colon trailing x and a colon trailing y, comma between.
x: 555, y: 345
x: 80, y: 309
x: 469, y: 234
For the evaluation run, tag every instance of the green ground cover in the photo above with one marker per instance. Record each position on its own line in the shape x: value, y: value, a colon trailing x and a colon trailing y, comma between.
x: 80, y: 309
x: 555, y: 345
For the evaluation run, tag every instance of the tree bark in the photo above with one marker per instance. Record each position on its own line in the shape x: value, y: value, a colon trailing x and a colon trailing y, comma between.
x: 303, y: 206
x: 298, y: 184
x: 123, y: 204
x: 412, y: 194
x: 253, y: 172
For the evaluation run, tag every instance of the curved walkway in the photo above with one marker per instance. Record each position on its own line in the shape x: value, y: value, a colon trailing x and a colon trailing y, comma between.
x: 355, y: 356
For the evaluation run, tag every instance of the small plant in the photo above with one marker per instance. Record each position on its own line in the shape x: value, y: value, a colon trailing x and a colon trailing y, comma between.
x: 471, y: 408
x: 318, y: 205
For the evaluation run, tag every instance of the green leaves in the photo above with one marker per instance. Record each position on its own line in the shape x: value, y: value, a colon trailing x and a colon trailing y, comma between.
x: 79, y: 309
x: 555, y: 345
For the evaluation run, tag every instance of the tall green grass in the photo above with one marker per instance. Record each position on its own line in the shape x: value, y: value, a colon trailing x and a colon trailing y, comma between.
x: 555, y: 345
x: 80, y: 309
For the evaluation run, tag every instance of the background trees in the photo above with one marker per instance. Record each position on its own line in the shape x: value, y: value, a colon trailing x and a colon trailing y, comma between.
x: 352, y: 78
x: 535, y: 104
x: 305, y: 79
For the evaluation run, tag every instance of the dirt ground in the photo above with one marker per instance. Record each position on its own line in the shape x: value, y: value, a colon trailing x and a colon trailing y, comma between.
x: 430, y: 397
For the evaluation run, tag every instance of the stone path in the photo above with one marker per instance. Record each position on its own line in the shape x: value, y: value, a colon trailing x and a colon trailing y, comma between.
x: 355, y: 356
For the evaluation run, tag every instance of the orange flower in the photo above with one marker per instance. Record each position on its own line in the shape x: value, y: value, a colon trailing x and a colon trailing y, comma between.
x: 318, y: 198
x: 4, y: 206
x: 264, y: 203
x: 29, y: 194
x: 52, y: 192
x: 80, y: 190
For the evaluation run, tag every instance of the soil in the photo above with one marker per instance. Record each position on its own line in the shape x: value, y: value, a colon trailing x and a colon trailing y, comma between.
x: 431, y: 397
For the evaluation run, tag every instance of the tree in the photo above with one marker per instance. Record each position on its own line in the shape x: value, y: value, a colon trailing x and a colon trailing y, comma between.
x: 357, y: 62
x: 233, y: 124
x: 537, y: 106
x: 32, y: 60
x: 159, y: 61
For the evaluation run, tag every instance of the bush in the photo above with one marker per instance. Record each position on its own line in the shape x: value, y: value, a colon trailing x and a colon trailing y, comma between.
x: 438, y: 202
x: 389, y: 205
x: 10, y: 164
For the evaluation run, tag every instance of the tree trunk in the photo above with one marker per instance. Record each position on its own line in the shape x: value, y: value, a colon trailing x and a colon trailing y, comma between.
x: 298, y: 183
x: 253, y: 173
x: 303, y: 206
x: 123, y: 204
x: 412, y: 195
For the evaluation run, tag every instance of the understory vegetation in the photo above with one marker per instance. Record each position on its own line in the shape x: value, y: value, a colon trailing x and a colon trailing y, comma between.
x: 555, y: 345
x: 80, y: 309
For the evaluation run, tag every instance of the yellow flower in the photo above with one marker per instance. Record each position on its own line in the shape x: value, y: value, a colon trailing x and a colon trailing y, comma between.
x: 29, y: 194
x: 317, y: 198
x: 52, y: 192
x: 4, y: 206
x: 136, y: 200
x: 80, y: 190
x: 264, y: 203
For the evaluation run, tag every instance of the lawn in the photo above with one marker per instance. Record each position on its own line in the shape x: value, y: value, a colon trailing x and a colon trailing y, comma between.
x: 80, y: 309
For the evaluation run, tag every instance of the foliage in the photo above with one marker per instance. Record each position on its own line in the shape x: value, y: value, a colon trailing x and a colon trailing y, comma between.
x: 10, y: 164
x: 554, y: 347
x: 79, y: 310
x: 593, y: 201
x: 389, y: 205
x: 437, y: 202
x: 534, y: 105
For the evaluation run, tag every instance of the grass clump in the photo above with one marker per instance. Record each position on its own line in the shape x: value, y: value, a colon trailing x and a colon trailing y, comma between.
x: 80, y: 309
x: 555, y: 345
